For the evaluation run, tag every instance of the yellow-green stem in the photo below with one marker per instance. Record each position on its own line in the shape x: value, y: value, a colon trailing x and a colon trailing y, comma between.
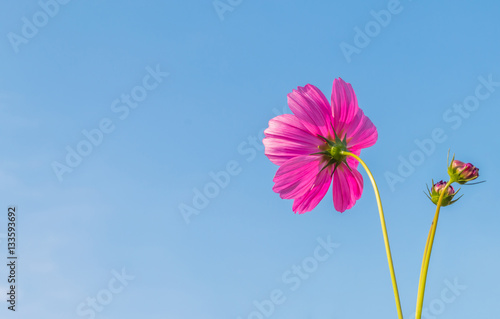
x: 423, y: 262
x: 427, y: 255
x: 384, y: 232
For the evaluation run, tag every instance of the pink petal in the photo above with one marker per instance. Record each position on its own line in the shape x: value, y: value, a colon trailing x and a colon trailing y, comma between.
x: 296, y: 176
x: 353, y: 163
x: 314, y: 195
x: 286, y: 138
x: 344, y: 104
x: 361, y: 133
x: 310, y: 105
x: 347, y: 188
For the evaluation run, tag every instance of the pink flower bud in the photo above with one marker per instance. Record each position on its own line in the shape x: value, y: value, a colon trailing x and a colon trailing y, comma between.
x: 436, y: 191
x: 461, y: 172
x: 439, y: 186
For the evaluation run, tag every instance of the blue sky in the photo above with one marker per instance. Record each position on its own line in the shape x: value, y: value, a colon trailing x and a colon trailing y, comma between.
x: 116, y: 116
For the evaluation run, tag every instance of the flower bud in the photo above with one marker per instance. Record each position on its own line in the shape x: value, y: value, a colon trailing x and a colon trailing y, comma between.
x: 461, y: 172
x: 436, y: 191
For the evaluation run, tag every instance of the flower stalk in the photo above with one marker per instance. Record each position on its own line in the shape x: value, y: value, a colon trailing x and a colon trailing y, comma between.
x: 428, y: 250
x: 384, y: 232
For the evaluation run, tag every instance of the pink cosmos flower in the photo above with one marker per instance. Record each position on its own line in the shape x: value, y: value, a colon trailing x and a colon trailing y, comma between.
x: 308, y: 147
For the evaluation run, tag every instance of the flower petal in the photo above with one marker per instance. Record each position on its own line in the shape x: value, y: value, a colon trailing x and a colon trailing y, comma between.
x: 314, y: 195
x: 344, y: 104
x: 361, y: 132
x: 349, y: 119
x: 353, y: 163
x: 347, y: 188
x: 286, y: 138
x: 310, y: 105
x: 296, y: 176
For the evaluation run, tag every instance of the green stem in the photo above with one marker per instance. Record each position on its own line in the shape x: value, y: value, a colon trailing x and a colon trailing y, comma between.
x: 423, y: 264
x: 384, y: 232
x: 427, y: 254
